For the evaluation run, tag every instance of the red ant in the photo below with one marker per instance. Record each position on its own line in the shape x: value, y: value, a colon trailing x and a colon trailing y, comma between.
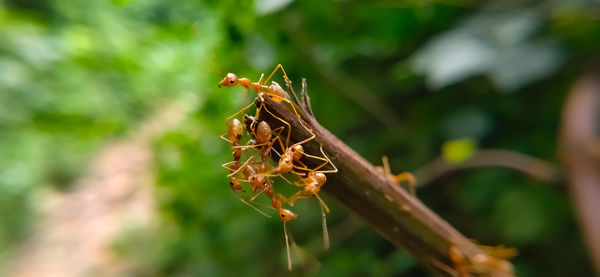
x: 311, y: 185
x: 275, y: 91
x: 236, y: 184
x: 285, y: 215
x: 493, y: 260
x: 235, y: 131
x: 261, y: 181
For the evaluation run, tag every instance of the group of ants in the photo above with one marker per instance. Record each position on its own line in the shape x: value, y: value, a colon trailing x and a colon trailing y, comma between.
x: 257, y: 169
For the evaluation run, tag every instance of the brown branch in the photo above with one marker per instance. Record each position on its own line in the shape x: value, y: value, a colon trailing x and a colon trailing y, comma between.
x: 391, y: 211
x: 579, y: 146
x: 534, y: 167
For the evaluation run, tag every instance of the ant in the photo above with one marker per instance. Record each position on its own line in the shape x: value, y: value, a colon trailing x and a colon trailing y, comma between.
x: 311, y: 185
x: 235, y: 132
x: 285, y: 215
x: 263, y: 136
x: 404, y: 177
x: 236, y: 184
x: 492, y: 260
x: 261, y: 181
x: 274, y: 91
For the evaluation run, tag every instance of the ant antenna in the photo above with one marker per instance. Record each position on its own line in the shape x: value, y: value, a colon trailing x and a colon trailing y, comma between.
x: 324, y: 209
x: 287, y: 247
x: 252, y: 206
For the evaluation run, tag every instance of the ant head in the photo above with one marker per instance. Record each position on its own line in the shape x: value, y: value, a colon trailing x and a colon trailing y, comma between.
x: 230, y: 80
x: 258, y: 181
x: 297, y: 151
x: 319, y: 177
x: 286, y: 215
x: 235, y: 184
x: 285, y: 163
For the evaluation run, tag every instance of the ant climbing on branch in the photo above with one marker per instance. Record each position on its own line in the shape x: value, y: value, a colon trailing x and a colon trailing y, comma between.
x: 311, y: 185
x: 274, y: 91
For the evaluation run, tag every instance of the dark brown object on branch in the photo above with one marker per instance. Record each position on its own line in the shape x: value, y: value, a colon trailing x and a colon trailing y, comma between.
x: 393, y: 212
x: 579, y: 147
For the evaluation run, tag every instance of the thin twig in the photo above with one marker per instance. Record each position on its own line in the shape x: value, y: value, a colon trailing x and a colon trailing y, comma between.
x: 579, y: 134
x: 531, y: 166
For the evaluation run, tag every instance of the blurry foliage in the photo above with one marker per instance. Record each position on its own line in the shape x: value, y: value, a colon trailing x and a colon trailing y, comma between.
x: 458, y: 150
x: 76, y: 74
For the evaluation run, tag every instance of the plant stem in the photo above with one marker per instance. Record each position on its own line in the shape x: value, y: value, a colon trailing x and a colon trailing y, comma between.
x: 396, y: 215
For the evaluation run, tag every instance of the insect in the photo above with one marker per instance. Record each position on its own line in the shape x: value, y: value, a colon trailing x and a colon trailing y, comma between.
x: 285, y: 215
x: 274, y: 91
x: 261, y: 181
x: 236, y: 184
x: 311, y: 185
x: 493, y: 260
x: 235, y: 132
x: 403, y: 177
x: 266, y: 140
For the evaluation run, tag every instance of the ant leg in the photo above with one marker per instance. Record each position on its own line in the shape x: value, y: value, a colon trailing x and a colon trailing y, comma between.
x: 226, y: 139
x: 334, y: 170
x: 278, y: 130
x: 275, y: 70
x: 226, y: 166
x: 328, y: 161
x: 248, y: 146
x: 260, y: 80
x: 322, y: 203
x: 298, y: 195
x: 252, y: 206
x: 243, y: 109
x: 298, y: 184
x: 294, y: 109
x: 324, y: 222
x: 280, y: 145
x: 283, y: 99
x: 276, y: 133
x: 304, y: 167
x: 287, y: 140
x: 241, y: 167
x: 410, y: 179
x: 258, y: 194
x: 285, y: 179
x: 386, y: 166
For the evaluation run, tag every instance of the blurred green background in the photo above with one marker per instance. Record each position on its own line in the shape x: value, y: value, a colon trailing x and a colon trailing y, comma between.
x: 395, y: 78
